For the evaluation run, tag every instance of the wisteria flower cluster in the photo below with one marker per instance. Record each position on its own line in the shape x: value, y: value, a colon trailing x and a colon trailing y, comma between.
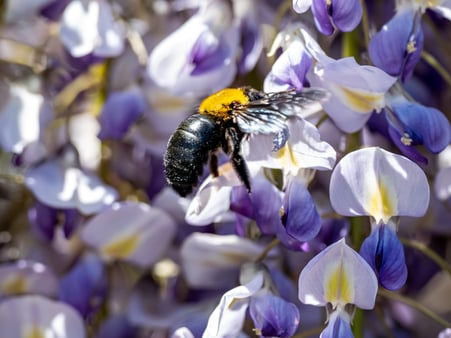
x: 343, y: 230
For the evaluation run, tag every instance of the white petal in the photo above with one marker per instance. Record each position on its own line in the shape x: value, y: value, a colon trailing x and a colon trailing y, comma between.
x: 53, y: 185
x: 19, y: 119
x: 375, y: 182
x: 110, y: 34
x: 304, y: 149
x: 182, y: 332
x: 78, y: 31
x: 442, y: 184
x: 227, y: 319
x: 83, y: 129
x: 169, y: 58
x: 213, y: 261
x: 301, y: 6
x: 37, y: 316
x: 92, y: 194
x: 212, y: 200
x: 338, y: 275
x: 126, y: 231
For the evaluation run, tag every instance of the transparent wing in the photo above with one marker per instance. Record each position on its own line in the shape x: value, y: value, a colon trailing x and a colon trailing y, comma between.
x: 269, y: 113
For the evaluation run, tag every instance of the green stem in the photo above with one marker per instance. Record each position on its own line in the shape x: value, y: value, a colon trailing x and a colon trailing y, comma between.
x: 352, y: 142
x: 358, y: 323
x: 350, y: 44
x: 443, y: 264
x: 357, y: 237
x: 433, y: 62
x: 408, y: 301
x: 357, y: 232
x: 365, y: 24
x: 275, y: 242
x: 281, y: 11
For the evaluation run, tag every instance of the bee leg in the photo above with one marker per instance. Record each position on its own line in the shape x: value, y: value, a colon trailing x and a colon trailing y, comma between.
x: 213, y: 162
x: 235, y: 137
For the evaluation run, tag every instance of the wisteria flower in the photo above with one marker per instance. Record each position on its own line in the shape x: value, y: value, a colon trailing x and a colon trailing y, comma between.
x: 120, y: 111
x: 63, y: 186
x: 290, y: 69
x: 340, y: 279
x: 272, y: 315
x: 377, y: 183
x: 85, y: 285
x: 37, y: 316
x: 213, y: 261
x: 199, y: 57
x: 442, y: 182
x: 126, y: 230
x: 20, y: 119
x: 27, y: 277
x: 397, y: 47
x: 303, y: 149
x: 412, y: 124
x: 88, y: 26
x: 343, y: 15
x: 356, y: 90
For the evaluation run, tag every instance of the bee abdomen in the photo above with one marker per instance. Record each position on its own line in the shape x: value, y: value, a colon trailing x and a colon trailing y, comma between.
x: 188, y: 150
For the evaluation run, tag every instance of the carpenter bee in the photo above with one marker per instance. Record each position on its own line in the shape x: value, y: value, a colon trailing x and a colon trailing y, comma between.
x: 221, y: 122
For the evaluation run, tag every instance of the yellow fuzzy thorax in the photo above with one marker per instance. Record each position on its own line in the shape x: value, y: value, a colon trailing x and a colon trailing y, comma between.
x: 219, y: 103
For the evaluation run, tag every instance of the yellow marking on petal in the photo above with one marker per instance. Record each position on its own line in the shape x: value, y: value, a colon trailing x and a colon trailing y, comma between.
x: 405, y: 139
x: 287, y: 157
x: 362, y: 101
x: 34, y: 332
x: 219, y: 104
x: 338, y: 287
x: 411, y: 47
x: 14, y: 285
x: 428, y: 3
x: 122, y: 247
x: 382, y: 203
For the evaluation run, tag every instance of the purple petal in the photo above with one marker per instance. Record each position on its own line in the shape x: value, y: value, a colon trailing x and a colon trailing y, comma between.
x: 301, y: 219
x: 72, y: 219
x: 119, y: 112
x: 266, y: 201
x: 54, y: 9
x: 85, y: 286
x: 117, y: 327
x: 274, y: 317
x: 385, y: 254
x: 240, y: 201
x: 207, y: 53
x: 409, y: 151
x: 262, y: 204
x: 338, y: 327
x: 43, y: 220
x: 290, y: 69
x: 320, y: 12
x: 424, y: 125
x: 389, y: 47
x: 251, y: 44
x: 346, y: 14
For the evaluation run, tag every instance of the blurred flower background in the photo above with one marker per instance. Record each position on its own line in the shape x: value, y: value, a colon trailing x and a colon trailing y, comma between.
x: 347, y: 229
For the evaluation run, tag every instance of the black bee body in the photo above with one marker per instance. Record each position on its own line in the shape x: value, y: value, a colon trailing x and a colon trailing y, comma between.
x: 189, y: 149
x: 222, y: 121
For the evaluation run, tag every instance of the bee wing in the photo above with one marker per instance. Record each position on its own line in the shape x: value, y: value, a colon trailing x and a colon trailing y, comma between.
x: 268, y: 115
x: 260, y: 119
x: 303, y: 103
